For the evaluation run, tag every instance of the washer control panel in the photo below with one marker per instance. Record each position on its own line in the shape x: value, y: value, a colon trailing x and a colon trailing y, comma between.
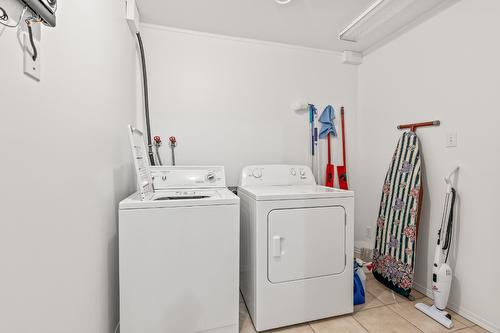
x: 171, y: 177
x: 278, y: 174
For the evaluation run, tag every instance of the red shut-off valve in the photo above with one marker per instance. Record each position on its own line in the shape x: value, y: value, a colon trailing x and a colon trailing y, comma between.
x: 173, y: 141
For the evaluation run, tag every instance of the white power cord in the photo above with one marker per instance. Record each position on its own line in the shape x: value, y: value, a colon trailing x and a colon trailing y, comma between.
x: 117, y: 327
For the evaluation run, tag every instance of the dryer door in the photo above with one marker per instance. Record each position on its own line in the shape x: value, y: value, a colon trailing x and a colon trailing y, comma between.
x: 304, y: 243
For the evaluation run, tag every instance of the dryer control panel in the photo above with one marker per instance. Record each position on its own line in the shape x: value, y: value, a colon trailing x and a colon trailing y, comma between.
x: 277, y: 174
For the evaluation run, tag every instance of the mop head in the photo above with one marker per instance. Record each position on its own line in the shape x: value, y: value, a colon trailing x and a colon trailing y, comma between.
x: 441, y: 317
x: 327, y: 122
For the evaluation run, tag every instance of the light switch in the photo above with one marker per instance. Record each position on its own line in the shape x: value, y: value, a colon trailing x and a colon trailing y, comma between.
x: 451, y: 139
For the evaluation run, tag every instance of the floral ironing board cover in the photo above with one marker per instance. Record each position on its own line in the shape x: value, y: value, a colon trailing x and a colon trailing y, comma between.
x: 397, y: 223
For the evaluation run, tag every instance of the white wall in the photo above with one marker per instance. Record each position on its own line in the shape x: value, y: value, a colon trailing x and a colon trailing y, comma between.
x: 445, y: 69
x: 229, y: 101
x: 65, y: 165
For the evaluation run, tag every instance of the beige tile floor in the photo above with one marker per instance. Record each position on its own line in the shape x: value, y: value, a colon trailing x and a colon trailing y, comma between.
x: 382, y: 312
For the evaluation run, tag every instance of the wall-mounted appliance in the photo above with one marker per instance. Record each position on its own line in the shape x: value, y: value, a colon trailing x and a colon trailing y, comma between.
x: 45, y: 9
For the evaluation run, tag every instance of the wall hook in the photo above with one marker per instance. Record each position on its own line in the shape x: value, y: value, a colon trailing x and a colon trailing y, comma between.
x: 413, y: 126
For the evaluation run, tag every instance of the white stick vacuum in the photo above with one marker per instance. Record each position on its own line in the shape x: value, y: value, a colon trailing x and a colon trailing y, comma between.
x: 441, y: 271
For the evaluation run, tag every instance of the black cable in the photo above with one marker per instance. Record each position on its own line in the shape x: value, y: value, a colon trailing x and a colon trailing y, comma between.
x: 146, y: 99
x: 32, y: 42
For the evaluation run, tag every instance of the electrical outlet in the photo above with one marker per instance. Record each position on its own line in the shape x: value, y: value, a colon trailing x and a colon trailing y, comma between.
x: 31, y: 67
x: 451, y: 139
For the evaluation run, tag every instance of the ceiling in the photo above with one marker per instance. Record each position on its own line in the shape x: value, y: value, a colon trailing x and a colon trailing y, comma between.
x: 309, y: 23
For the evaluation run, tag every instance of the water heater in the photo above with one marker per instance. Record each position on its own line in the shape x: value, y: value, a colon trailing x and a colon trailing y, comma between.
x: 45, y: 9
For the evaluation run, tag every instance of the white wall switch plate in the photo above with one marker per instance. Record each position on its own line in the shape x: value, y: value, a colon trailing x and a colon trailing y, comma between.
x: 451, y: 139
x: 31, y: 67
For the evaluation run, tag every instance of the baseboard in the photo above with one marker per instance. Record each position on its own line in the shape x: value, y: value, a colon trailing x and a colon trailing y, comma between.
x: 363, y: 251
x: 469, y: 315
x: 357, y: 252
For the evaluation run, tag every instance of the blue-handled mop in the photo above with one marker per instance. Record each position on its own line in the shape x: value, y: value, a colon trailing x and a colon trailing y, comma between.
x: 314, y: 137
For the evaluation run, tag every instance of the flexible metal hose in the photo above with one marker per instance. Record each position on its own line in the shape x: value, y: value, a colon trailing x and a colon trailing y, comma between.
x: 146, y: 99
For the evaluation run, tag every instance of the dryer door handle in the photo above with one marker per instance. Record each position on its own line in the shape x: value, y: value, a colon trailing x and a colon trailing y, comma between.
x: 276, y: 246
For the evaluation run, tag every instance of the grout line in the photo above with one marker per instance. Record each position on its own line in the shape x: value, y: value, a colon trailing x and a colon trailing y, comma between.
x: 360, y: 324
x: 469, y: 327
x: 373, y: 307
x: 404, y: 318
x: 397, y: 314
x: 312, y: 328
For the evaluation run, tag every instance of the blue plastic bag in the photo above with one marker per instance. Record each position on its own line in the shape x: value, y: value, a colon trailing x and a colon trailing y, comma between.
x: 359, y: 291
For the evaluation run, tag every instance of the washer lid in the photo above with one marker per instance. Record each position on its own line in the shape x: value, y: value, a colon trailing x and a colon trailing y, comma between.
x: 187, y: 197
x: 294, y: 192
x: 141, y: 163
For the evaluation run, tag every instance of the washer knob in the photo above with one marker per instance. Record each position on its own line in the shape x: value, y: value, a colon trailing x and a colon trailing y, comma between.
x: 211, y: 176
x: 257, y: 173
x: 302, y: 172
x: 293, y: 172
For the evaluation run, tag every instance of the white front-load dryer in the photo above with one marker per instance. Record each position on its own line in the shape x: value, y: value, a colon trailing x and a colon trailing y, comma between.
x: 296, y: 261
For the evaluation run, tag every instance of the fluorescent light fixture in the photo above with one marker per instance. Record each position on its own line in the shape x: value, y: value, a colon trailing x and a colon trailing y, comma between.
x: 378, y: 13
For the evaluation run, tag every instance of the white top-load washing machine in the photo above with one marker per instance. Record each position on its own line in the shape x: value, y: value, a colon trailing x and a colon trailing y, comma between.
x: 296, y: 247
x: 178, y: 250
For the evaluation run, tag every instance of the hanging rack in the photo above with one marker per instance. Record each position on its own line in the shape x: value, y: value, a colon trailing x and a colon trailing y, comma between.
x: 413, y: 126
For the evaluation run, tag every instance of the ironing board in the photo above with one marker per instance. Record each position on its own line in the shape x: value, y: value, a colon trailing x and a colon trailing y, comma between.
x: 397, y: 223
